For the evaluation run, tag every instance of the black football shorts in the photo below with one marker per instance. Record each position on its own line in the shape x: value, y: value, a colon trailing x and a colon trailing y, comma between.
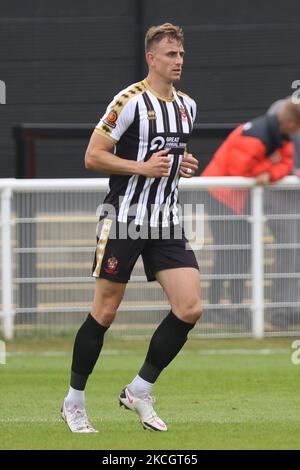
x: 119, y: 245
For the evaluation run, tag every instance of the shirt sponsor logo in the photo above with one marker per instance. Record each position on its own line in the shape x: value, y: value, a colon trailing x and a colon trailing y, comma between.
x: 176, y: 144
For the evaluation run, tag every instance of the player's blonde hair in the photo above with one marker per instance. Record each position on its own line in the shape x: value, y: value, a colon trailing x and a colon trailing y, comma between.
x: 156, y: 33
x: 290, y: 111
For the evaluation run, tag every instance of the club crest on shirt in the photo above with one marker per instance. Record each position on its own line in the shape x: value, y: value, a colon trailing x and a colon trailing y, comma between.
x: 111, y: 118
x: 111, y: 265
x: 151, y: 115
x: 182, y: 111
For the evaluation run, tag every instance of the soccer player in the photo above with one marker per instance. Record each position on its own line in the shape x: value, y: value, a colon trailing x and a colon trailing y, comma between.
x: 141, y: 142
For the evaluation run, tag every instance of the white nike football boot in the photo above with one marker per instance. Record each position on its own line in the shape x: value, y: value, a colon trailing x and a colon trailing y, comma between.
x: 76, y: 418
x: 144, y: 408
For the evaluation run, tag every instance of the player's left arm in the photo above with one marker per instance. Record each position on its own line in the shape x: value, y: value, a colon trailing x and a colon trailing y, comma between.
x: 189, y: 164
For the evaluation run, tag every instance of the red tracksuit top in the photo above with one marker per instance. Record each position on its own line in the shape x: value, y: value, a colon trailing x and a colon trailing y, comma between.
x: 245, y: 152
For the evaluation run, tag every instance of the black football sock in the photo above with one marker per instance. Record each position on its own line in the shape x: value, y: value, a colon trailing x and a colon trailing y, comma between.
x: 87, y: 346
x: 165, y: 344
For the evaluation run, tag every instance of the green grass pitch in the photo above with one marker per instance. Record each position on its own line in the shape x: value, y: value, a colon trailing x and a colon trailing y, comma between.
x: 217, y: 394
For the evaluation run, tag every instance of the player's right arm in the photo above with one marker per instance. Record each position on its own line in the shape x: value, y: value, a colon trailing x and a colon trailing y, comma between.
x: 99, y: 157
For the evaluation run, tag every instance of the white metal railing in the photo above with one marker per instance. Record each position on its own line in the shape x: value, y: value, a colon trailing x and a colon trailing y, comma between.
x: 257, y: 262
x: 7, y: 278
x: 11, y: 187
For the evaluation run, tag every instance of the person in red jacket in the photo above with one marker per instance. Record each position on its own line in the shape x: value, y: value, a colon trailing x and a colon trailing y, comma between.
x: 259, y: 149
x: 284, y: 291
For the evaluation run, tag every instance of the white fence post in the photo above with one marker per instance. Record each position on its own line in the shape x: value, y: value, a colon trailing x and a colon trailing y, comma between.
x: 7, y: 278
x: 257, y: 262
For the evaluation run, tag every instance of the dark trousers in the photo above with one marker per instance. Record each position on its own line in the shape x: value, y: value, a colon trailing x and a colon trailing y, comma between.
x: 235, y: 258
x: 285, y: 231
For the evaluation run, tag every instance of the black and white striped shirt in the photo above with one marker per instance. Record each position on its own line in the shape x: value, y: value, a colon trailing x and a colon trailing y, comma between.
x: 140, y: 122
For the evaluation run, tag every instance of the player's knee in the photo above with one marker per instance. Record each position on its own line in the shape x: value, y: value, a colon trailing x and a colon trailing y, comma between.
x: 192, y: 312
x: 106, y: 303
x: 105, y: 310
x: 105, y: 316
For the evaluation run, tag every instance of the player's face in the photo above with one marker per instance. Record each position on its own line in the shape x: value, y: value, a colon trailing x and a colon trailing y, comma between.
x: 167, y: 59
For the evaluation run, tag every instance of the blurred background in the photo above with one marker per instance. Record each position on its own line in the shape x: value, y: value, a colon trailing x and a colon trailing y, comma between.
x: 63, y: 61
